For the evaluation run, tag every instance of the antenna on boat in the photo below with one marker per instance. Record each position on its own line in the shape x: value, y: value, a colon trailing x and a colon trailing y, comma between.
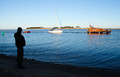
x: 90, y: 25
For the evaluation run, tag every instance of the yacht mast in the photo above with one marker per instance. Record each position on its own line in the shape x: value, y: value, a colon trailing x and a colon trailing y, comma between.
x: 58, y: 18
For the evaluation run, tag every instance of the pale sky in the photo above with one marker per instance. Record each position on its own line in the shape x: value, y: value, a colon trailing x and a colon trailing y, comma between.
x: 42, y: 13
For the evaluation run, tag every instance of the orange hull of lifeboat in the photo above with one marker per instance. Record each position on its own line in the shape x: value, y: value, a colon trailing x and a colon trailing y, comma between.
x: 98, y: 30
x: 26, y: 32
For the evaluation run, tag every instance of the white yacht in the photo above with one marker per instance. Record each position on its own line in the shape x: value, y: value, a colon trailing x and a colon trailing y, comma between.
x: 55, y: 30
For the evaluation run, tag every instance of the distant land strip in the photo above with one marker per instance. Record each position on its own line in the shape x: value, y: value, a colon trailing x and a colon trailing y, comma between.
x: 63, y: 28
x: 57, y: 28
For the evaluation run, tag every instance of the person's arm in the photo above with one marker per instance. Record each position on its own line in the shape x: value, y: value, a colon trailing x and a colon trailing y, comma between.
x: 23, y: 41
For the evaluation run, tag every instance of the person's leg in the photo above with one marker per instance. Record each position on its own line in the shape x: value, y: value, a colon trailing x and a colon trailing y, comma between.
x: 20, y: 57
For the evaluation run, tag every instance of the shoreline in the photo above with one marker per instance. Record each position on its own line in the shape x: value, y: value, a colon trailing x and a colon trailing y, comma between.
x: 34, y: 68
x: 62, y: 28
x: 72, y: 28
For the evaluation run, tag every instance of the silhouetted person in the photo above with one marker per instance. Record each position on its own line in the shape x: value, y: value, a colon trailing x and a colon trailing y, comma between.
x: 20, y: 43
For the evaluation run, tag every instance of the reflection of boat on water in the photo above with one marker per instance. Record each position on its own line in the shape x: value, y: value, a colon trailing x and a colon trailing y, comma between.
x: 26, y: 31
x: 55, y: 30
x: 98, y: 30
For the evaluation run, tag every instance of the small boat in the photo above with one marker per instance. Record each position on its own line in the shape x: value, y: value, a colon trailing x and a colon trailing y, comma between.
x: 55, y: 30
x: 98, y: 30
x: 26, y: 31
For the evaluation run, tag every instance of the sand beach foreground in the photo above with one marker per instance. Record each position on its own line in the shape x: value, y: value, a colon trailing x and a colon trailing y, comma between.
x: 35, y: 68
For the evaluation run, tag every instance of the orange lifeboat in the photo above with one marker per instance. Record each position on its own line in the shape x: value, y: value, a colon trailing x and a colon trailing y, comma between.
x: 98, y: 30
x: 26, y: 31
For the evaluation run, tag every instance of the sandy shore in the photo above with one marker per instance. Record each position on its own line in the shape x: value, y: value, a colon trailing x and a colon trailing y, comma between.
x: 35, y: 68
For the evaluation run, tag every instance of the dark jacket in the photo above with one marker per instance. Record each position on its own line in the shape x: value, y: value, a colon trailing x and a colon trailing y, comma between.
x: 19, y: 40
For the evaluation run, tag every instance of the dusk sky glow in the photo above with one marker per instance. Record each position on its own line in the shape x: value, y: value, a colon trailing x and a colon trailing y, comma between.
x: 41, y: 13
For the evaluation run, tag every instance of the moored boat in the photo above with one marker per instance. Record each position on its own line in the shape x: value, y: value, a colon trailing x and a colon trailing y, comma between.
x: 26, y: 31
x: 98, y: 30
x: 55, y: 30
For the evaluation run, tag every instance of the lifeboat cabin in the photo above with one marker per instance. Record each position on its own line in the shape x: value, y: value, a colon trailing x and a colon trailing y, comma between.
x: 98, y: 30
x: 26, y: 31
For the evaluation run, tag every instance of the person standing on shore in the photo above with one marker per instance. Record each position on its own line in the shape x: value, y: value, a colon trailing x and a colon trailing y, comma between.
x: 20, y: 43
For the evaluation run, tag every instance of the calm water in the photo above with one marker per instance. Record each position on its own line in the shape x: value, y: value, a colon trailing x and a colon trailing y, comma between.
x: 73, y: 47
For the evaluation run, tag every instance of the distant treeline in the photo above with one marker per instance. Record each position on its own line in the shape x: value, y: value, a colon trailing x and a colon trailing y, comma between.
x: 65, y: 27
x: 34, y: 27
